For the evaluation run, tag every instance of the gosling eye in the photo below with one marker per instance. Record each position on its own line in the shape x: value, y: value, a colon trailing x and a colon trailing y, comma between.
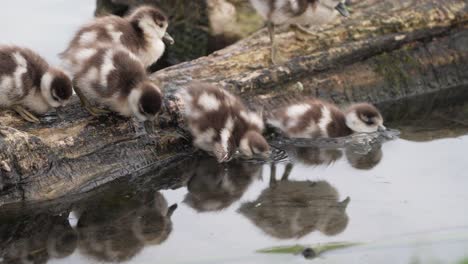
x: 159, y: 24
x: 369, y: 122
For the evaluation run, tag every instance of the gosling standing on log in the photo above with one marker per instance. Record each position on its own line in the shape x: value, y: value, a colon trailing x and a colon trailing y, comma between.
x: 143, y: 32
x: 28, y: 83
x: 115, y: 77
x: 220, y: 123
x: 298, y: 12
x: 315, y: 118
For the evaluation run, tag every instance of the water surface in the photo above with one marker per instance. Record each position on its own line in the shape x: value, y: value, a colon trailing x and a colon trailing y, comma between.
x: 406, y: 198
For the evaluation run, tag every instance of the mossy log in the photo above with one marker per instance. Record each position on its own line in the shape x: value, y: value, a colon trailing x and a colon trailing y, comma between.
x: 387, y: 51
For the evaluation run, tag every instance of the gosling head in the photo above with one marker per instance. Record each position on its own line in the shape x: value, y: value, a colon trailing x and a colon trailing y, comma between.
x: 364, y: 118
x: 254, y: 144
x: 152, y: 22
x: 146, y: 101
x: 56, y: 88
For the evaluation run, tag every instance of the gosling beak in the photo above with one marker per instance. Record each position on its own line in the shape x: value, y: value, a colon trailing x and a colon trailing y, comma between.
x: 341, y: 7
x: 168, y: 39
x: 60, y: 112
x: 225, y: 158
x: 382, y: 128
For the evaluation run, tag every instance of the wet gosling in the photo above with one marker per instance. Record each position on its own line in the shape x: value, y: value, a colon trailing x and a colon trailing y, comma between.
x: 221, y: 124
x: 315, y: 118
x: 143, y: 32
x: 28, y: 83
x: 115, y: 78
x: 297, y: 12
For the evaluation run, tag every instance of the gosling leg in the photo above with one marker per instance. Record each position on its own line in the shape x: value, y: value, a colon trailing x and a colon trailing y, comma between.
x: 273, y: 46
x: 94, y: 111
x: 272, y: 174
x: 287, y: 171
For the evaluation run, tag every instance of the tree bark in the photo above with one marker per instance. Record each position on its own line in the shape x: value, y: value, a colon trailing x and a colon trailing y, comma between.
x: 387, y: 51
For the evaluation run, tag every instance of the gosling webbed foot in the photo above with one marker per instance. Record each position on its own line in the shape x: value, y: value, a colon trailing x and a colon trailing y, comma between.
x: 25, y: 114
x: 302, y: 29
x: 94, y: 111
x: 171, y: 135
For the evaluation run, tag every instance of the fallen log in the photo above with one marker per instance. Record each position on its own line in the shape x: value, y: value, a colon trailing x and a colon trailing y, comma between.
x: 387, y: 51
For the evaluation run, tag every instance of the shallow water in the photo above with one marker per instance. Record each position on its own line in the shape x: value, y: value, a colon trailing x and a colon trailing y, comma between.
x: 405, y: 199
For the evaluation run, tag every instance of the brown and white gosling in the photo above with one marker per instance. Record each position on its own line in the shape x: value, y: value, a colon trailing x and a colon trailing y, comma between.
x: 143, y: 32
x: 297, y: 12
x: 28, y: 83
x: 316, y: 118
x: 221, y: 124
x: 115, y: 78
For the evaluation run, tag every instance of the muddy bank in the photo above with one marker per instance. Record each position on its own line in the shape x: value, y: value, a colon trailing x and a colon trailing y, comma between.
x: 387, y: 51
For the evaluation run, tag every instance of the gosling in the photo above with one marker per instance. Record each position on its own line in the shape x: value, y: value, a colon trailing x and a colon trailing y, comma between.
x: 143, y: 32
x: 28, y: 84
x: 221, y: 124
x: 115, y: 78
x: 316, y: 118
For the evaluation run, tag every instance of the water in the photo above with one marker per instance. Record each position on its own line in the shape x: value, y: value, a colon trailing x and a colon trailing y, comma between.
x: 404, y: 199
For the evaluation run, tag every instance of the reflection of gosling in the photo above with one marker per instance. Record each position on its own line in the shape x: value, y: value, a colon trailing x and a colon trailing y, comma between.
x: 316, y: 118
x: 214, y: 187
x: 115, y: 78
x: 28, y: 83
x: 63, y: 239
x: 365, y: 161
x: 116, y: 228
x: 221, y: 124
x: 314, y: 156
x: 38, y: 239
x: 300, y: 12
x: 153, y: 224
x: 293, y: 209
x: 143, y: 32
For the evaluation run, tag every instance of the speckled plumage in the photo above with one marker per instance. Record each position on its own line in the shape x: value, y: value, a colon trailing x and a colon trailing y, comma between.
x: 221, y: 124
x: 142, y: 32
x: 316, y: 118
x: 115, y: 78
x: 27, y: 80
